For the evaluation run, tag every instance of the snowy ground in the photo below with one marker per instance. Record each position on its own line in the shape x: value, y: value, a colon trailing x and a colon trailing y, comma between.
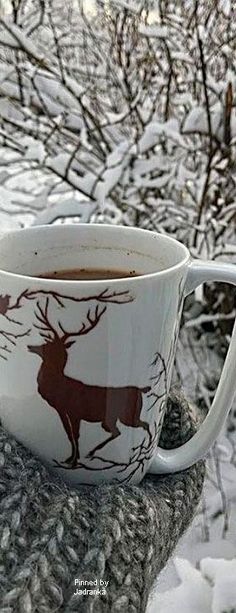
x: 211, y: 536
x: 211, y: 586
x: 189, y: 582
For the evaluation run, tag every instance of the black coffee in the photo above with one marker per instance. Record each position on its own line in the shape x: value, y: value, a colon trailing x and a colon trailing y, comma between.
x: 88, y: 274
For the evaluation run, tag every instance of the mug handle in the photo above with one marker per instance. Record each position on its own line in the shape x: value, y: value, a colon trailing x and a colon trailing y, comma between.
x: 173, y: 460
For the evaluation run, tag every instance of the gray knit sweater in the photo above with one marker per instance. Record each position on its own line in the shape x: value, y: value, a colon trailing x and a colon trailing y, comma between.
x: 94, y: 549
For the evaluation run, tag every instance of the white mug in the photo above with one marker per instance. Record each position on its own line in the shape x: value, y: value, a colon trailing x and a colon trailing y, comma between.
x: 86, y: 364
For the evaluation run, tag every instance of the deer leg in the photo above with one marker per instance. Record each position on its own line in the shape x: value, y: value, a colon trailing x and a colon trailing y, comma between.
x: 114, y: 433
x: 143, y: 424
x: 72, y: 459
x: 74, y: 454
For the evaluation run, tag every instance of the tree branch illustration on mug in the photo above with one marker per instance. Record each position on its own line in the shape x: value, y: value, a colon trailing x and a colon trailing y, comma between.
x: 73, y: 399
x: 164, y: 367
x: 7, y: 304
x: 10, y: 338
x: 105, y: 295
x: 141, y: 454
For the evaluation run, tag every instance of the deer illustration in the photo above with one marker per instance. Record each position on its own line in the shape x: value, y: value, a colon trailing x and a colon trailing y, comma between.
x: 74, y: 400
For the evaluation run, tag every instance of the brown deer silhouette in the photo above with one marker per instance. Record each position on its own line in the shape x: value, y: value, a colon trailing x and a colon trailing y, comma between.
x: 74, y: 400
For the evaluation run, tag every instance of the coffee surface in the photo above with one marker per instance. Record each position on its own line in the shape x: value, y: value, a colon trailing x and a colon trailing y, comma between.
x: 88, y: 274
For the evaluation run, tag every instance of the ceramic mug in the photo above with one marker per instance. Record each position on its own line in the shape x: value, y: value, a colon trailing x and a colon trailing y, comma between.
x: 86, y: 365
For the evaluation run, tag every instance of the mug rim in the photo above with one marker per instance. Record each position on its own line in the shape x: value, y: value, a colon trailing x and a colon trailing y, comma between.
x: 111, y: 228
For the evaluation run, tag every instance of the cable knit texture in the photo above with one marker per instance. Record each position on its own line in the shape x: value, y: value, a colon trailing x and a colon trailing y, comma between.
x: 51, y: 535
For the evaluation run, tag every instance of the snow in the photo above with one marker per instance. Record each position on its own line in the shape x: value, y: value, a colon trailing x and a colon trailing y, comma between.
x: 10, y: 201
x: 202, y: 319
x: 134, y: 128
x: 8, y: 223
x: 222, y: 574
x: 51, y: 86
x: 35, y: 150
x: 143, y: 167
x: 193, y: 594
x: 74, y: 87
x: 66, y: 208
x: 8, y: 40
x: 152, y: 183
x: 212, y: 589
x: 110, y: 178
x: 18, y: 39
x: 196, y: 120
x: 118, y: 154
x: 155, y: 129
x: 206, y: 547
x: 8, y: 110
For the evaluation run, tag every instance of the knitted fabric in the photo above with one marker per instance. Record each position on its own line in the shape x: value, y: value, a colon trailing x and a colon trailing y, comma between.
x: 53, y: 537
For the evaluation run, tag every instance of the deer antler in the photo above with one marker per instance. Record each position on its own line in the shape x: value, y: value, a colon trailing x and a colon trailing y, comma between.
x: 85, y: 328
x: 46, y: 329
